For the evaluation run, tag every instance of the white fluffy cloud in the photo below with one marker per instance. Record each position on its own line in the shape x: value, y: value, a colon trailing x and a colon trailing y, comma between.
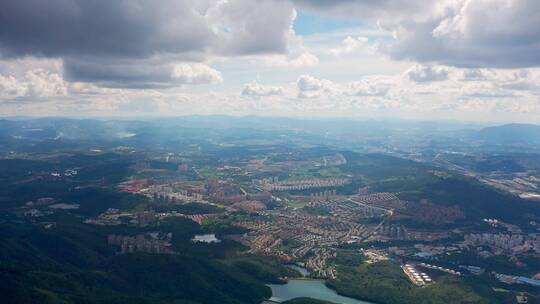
x: 423, y: 73
x: 302, y: 60
x: 366, y: 87
x: 251, y: 27
x: 255, y: 89
x: 310, y: 83
x: 350, y: 45
x: 371, y: 86
x: 11, y: 87
x: 312, y: 87
x: 195, y: 73
x: 36, y: 83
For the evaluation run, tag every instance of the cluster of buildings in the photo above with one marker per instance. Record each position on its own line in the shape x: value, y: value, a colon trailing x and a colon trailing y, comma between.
x: 496, y: 223
x: 416, y: 277
x: 511, y: 279
x: 197, y: 218
x: 523, y: 184
x: 473, y: 269
x: 294, y: 235
x: 439, y: 268
x: 318, y: 263
x: 349, y: 210
x: 249, y: 205
x: 323, y: 196
x: 383, y: 200
x: 213, y: 191
x: 264, y: 181
x: 306, y: 184
x: 148, y: 243
x: 502, y: 243
x: 133, y: 185
x: 392, y: 232
x: 309, y: 236
x: 431, y: 251
x: 374, y: 255
x: 167, y: 192
x: 112, y: 217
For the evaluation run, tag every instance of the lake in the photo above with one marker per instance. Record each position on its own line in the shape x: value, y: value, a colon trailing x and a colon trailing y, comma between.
x: 309, y: 288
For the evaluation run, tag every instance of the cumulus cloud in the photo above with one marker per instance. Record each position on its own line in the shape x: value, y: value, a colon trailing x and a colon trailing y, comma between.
x: 368, y: 87
x: 255, y: 89
x: 312, y: 87
x: 251, y: 27
x: 474, y: 74
x: 11, y: 87
x: 350, y: 45
x: 423, y: 73
x: 371, y: 86
x: 36, y: 83
x: 485, y: 90
x: 302, y: 60
x: 195, y: 73
x: 310, y: 83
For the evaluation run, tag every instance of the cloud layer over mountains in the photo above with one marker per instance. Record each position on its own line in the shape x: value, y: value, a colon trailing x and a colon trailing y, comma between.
x: 246, y: 57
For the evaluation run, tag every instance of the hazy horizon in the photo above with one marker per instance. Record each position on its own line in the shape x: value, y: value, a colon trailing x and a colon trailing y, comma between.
x: 374, y: 120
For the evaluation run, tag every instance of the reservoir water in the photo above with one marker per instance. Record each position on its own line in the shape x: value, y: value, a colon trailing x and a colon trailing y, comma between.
x: 315, y: 289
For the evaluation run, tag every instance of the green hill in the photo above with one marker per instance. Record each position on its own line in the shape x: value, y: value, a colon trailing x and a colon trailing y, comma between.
x: 73, y: 264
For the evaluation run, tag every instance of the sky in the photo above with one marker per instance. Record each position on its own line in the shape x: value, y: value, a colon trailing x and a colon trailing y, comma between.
x: 472, y: 60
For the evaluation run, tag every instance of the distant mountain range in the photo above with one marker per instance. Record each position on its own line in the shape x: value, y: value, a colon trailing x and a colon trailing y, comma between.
x: 510, y: 134
x: 351, y: 130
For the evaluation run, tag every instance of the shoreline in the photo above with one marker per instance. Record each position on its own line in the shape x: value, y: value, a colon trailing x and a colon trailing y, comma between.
x: 349, y: 296
x: 325, y: 283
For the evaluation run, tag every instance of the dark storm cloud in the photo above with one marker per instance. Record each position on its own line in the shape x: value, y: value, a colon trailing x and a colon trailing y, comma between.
x: 149, y: 73
x: 132, y: 42
x: 118, y: 73
x: 124, y: 28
